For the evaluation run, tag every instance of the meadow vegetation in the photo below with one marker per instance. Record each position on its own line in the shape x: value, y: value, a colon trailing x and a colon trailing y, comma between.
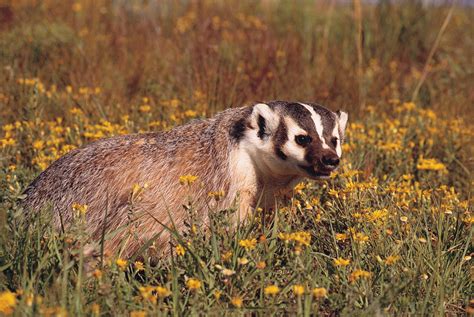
x: 390, y: 233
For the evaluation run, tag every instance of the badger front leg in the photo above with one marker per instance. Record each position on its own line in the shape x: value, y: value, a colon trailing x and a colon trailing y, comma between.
x: 263, y: 205
x: 246, y: 204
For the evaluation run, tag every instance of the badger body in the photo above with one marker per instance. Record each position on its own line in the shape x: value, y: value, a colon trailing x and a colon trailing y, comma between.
x: 251, y: 154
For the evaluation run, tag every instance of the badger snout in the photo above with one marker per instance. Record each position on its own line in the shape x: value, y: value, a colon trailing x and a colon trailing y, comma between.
x: 322, y: 164
x: 330, y: 161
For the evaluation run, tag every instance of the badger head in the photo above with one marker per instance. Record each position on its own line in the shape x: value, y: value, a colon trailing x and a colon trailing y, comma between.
x: 295, y: 139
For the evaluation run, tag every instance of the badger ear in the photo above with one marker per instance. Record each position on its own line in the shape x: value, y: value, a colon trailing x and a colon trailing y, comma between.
x: 264, y: 119
x: 342, y: 119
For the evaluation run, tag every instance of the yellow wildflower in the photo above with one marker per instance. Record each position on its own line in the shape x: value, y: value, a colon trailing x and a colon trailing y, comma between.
x: 300, y: 237
x: 216, y: 195
x: 409, y: 106
x: 38, y: 144
x: 271, y: 290
x: 360, y: 237
x: 95, y: 309
x: 138, y: 313
x: 79, y: 209
x: 237, y: 301
x: 7, y: 142
x: 392, y: 259
x: 261, y: 265
x: 217, y: 294
x: 299, y: 187
x: 180, y: 251
x: 162, y: 292
x: 151, y: 293
x: 298, y: 289
x: 286, y: 237
x: 341, y: 236
x: 248, y: 244
x: 187, y: 179
x: 341, y: 262
x: 357, y: 274
x: 242, y: 261
x: 430, y: 165
x: 8, y: 127
x: 191, y: 113
x: 97, y: 274
x: 137, y: 190
x: 319, y: 292
x: 468, y: 219
x: 122, y: 264
x: 145, y: 108
x: 138, y: 266
x: 193, y: 284
x: 377, y: 215
x: 76, y: 7
x: 226, y: 256
x: 7, y: 302
x: 76, y: 111
x: 147, y: 293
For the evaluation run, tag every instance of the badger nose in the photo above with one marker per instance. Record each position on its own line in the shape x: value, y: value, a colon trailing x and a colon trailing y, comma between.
x: 330, y: 161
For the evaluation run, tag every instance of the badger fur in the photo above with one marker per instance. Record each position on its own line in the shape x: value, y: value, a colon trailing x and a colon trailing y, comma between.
x: 252, y: 154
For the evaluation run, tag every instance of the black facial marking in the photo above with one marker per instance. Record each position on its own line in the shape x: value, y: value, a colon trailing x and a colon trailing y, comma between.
x: 334, y: 141
x: 280, y: 154
x: 237, y: 129
x: 302, y: 117
x: 261, y: 127
x: 281, y: 136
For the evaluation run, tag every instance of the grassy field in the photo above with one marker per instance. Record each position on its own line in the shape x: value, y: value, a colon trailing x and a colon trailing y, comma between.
x: 390, y: 234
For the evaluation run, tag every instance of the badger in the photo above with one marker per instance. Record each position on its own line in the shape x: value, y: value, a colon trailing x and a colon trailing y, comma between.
x: 252, y: 155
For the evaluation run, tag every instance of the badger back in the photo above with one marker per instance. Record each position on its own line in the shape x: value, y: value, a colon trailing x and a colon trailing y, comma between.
x: 102, y: 175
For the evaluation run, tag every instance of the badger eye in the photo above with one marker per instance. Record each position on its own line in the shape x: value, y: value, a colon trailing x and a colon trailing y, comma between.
x: 334, y: 141
x: 303, y: 140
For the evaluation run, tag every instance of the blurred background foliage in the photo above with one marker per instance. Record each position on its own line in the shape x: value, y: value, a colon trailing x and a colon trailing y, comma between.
x: 229, y: 53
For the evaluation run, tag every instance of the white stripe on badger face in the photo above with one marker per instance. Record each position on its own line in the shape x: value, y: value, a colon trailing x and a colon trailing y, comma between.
x: 318, y: 124
x: 290, y: 148
x: 335, y: 133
